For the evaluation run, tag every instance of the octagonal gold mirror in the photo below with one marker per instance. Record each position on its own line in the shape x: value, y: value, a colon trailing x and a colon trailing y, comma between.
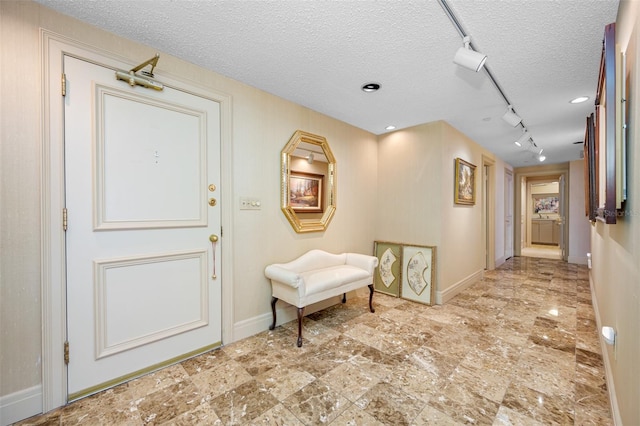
x: 308, y: 182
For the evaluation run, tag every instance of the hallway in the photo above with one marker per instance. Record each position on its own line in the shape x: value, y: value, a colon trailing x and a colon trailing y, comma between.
x: 519, y: 347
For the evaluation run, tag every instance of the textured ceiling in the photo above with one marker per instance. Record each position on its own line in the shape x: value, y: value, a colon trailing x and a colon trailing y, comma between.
x: 543, y: 53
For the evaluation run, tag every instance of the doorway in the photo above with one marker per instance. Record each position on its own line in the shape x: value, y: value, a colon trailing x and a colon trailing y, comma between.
x: 542, y: 216
x: 488, y: 212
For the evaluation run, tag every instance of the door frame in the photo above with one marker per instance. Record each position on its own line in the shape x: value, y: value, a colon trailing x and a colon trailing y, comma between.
x: 53, y: 260
x: 553, y: 171
x: 509, y: 186
x: 489, y: 211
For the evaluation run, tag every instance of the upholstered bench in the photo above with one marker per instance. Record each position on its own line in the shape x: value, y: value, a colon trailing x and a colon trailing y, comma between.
x: 318, y: 275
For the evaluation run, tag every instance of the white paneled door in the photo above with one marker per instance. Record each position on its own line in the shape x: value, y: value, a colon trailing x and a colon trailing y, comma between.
x: 141, y: 172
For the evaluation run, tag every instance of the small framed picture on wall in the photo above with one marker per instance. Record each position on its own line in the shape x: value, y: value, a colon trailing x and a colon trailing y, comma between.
x: 465, y: 183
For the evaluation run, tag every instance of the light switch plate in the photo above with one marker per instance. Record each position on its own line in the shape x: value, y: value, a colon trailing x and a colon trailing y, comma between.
x: 249, y: 203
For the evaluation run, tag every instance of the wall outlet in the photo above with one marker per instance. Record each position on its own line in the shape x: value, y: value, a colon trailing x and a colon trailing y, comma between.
x: 248, y: 203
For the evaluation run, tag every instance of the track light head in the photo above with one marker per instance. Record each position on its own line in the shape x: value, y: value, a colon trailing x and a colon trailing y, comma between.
x: 469, y: 58
x: 523, y: 138
x: 511, y: 117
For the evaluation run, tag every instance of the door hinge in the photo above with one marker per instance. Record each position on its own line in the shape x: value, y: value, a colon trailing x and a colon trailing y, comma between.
x: 64, y: 84
x: 64, y: 219
x: 221, y: 232
x: 66, y: 353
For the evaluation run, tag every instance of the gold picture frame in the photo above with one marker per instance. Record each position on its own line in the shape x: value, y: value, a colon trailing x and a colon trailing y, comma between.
x: 465, y: 183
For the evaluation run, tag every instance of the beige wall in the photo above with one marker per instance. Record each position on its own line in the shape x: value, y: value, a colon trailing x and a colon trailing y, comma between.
x: 20, y: 258
x: 616, y: 252
x: 579, y: 229
x: 415, y: 192
x: 549, y: 188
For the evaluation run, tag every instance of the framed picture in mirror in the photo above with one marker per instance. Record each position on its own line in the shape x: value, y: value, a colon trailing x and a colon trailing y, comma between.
x: 305, y: 192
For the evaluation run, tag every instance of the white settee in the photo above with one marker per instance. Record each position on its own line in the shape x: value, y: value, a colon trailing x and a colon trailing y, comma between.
x: 318, y: 275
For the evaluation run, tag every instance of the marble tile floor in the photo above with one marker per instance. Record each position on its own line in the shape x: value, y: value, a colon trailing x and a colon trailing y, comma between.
x: 519, y: 347
x: 540, y: 250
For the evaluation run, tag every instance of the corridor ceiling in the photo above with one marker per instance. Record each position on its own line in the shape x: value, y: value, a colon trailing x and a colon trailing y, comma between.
x: 542, y: 53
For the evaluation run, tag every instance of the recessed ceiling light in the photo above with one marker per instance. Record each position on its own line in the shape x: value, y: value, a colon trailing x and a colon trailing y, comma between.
x: 579, y: 100
x: 370, y: 87
x: 391, y: 127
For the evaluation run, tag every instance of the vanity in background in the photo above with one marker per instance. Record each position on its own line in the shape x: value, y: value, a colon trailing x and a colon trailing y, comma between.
x: 545, y: 231
x: 545, y: 226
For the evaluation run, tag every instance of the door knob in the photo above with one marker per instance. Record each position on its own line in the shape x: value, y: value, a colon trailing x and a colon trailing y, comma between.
x: 213, y: 202
x: 213, y: 238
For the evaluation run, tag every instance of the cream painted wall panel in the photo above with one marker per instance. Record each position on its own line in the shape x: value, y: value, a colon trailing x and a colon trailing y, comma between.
x: 579, y: 228
x: 462, y: 253
x: 616, y: 253
x: 20, y: 337
x: 550, y: 188
x: 265, y: 236
x: 409, y: 190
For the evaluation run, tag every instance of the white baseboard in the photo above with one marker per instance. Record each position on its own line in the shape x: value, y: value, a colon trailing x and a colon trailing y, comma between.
x: 20, y: 405
x: 578, y: 260
x: 608, y: 374
x: 500, y: 261
x: 449, y: 293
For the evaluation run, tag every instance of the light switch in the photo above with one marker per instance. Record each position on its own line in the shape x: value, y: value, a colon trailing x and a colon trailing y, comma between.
x: 249, y: 203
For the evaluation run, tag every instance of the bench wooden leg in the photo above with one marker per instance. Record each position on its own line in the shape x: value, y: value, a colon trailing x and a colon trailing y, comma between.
x: 300, y: 315
x: 273, y: 309
x: 370, y: 298
x: 344, y: 298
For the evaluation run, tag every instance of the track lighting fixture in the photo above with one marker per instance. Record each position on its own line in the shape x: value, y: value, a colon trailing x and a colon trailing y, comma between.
x: 469, y: 58
x: 511, y: 117
x: 524, y: 138
x: 541, y: 157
